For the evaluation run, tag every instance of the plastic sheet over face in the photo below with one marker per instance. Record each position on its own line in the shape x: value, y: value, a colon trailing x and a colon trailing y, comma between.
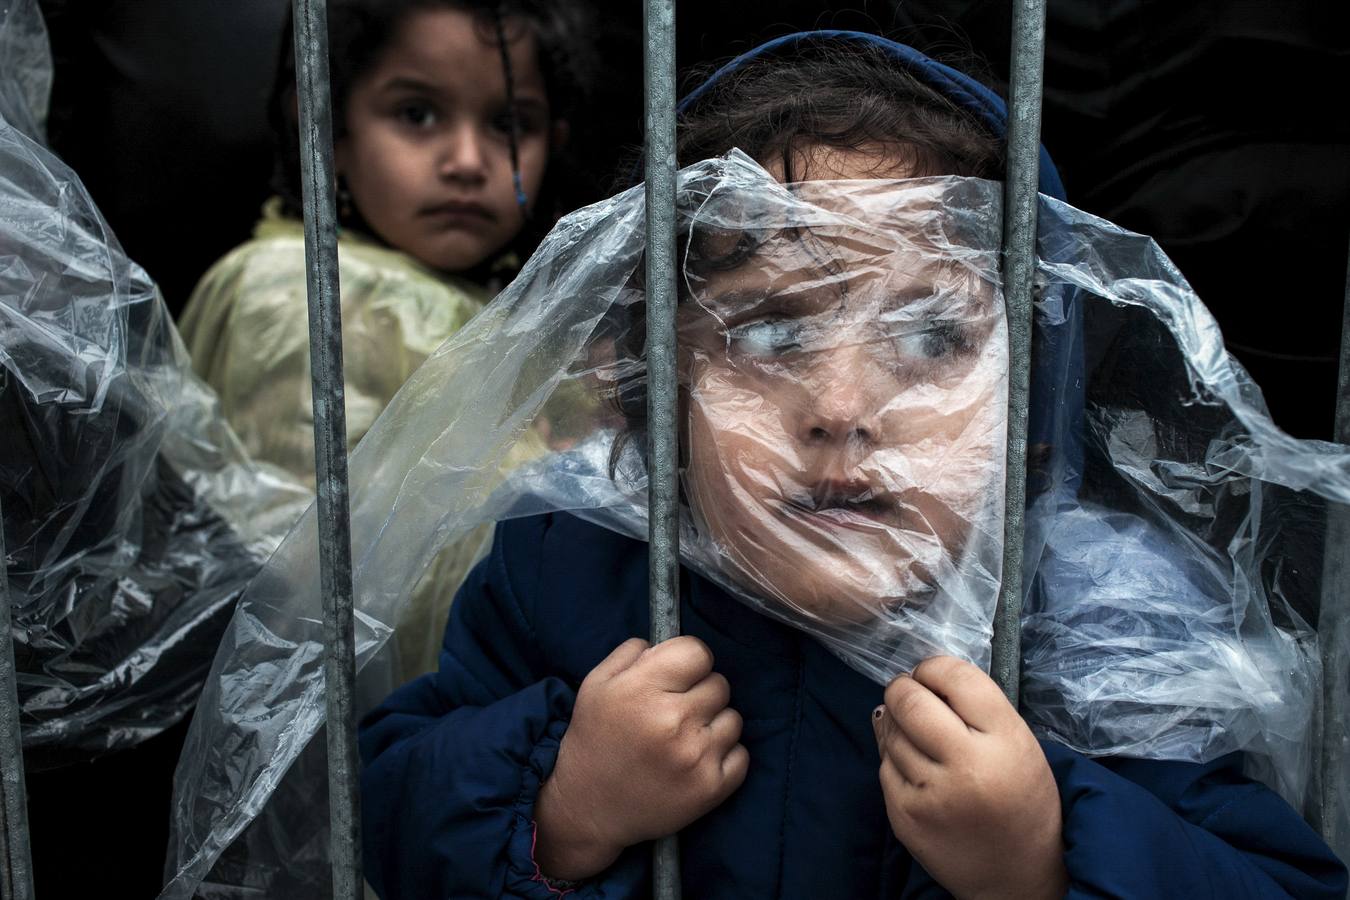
x: 844, y: 383
x: 842, y: 367
x: 132, y: 520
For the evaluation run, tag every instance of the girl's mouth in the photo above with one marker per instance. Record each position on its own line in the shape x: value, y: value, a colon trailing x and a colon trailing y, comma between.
x: 458, y: 211
x: 846, y: 504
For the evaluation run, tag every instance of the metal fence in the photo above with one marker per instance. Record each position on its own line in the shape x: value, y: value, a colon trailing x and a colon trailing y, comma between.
x: 311, y: 51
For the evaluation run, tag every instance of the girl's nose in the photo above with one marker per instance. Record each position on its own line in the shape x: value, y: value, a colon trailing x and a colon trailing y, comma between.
x: 464, y: 156
x: 842, y: 401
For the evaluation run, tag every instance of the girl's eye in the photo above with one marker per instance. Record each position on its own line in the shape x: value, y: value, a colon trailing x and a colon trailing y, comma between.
x: 767, y: 337
x: 418, y: 115
x: 938, y: 340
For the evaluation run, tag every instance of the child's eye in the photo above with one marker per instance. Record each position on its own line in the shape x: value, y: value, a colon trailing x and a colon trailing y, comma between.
x: 767, y: 337
x: 938, y: 340
x: 418, y: 115
x: 717, y: 250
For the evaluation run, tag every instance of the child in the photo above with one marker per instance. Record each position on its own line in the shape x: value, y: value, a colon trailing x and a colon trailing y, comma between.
x: 842, y: 403
x: 447, y: 115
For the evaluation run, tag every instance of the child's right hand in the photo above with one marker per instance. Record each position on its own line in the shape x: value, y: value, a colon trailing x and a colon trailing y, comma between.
x: 651, y: 747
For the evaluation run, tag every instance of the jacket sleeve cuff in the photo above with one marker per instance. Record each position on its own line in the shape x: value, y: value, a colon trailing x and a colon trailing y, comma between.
x: 625, y: 878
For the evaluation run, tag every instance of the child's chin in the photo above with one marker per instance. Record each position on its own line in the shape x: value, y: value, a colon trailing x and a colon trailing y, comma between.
x: 459, y: 253
x: 839, y: 595
x: 841, y: 579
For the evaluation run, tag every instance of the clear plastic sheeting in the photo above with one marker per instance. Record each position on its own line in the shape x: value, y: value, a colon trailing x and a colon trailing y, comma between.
x: 25, y: 68
x: 132, y: 519
x: 843, y: 386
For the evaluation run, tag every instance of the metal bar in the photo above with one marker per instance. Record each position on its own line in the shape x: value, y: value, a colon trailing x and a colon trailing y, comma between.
x: 1342, y: 424
x: 17, y: 857
x: 1019, y: 269
x: 663, y: 583
x: 330, y: 440
x: 1333, y: 632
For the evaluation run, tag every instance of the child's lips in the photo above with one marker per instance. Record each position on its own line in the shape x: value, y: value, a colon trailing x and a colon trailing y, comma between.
x: 864, y: 510
x: 458, y: 210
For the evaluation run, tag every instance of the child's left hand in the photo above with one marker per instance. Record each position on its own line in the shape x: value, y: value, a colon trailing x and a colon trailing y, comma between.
x: 968, y: 790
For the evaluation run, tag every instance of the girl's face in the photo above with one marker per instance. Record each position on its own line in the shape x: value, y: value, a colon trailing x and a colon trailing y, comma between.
x: 427, y: 152
x: 845, y: 398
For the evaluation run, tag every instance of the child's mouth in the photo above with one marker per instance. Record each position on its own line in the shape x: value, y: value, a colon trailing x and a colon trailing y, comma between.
x: 850, y: 505
x: 458, y: 211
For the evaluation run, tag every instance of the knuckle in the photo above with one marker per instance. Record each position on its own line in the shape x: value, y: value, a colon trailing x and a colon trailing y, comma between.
x: 736, y: 770
x: 899, y: 687
x: 723, y: 686
x: 666, y: 722
x: 686, y: 754
x: 712, y: 783
x: 906, y: 707
x: 939, y: 668
x: 697, y: 651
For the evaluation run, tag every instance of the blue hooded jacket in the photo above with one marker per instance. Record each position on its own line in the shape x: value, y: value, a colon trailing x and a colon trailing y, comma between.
x: 453, y: 761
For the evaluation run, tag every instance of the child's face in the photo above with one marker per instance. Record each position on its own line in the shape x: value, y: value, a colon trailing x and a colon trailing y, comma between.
x: 427, y: 151
x: 845, y: 400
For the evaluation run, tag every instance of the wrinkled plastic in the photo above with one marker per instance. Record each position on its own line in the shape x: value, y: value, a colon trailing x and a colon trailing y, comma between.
x: 132, y: 519
x: 843, y: 372
x: 26, y: 64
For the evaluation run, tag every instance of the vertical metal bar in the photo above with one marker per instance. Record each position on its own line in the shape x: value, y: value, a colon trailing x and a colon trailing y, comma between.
x: 1019, y: 269
x: 330, y: 440
x: 663, y: 437
x: 1342, y: 425
x: 1333, y: 632
x: 17, y: 859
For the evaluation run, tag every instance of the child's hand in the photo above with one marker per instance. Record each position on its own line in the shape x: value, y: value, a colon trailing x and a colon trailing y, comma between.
x: 651, y: 747
x: 968, y: 790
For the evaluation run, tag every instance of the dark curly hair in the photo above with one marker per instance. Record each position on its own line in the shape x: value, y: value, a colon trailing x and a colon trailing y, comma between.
x: 845, y: 95
x: 360, y: 30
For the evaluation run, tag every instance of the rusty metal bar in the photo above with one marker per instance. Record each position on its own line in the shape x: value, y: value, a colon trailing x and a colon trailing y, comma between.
x: 1019, y: 269
x: 330, y: 441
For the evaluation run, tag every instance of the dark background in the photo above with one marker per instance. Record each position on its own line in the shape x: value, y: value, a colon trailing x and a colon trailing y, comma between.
x: 1217, y: 127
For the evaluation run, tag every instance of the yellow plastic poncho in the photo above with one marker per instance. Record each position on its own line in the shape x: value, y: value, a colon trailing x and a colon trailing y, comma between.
x: 246, y: 327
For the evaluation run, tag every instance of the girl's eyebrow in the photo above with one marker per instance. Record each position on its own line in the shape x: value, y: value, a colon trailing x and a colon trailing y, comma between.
x: 409, y: 84
x: 790, y: 302
x: 401, y: 83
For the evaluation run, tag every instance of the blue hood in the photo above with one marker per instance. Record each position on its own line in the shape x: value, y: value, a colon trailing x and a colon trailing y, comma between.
x: 965, y: 91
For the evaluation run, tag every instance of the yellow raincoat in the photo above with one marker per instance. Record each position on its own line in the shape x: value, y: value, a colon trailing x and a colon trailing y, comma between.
x: 246, y: 327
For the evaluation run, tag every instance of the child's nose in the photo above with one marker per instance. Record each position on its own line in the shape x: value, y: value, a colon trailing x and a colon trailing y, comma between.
x: 464, y: 156
x: 841, y: 400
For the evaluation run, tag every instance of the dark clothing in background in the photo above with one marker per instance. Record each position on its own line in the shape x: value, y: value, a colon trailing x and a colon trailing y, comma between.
x: 160, y: 106
x: 1217, y: 128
